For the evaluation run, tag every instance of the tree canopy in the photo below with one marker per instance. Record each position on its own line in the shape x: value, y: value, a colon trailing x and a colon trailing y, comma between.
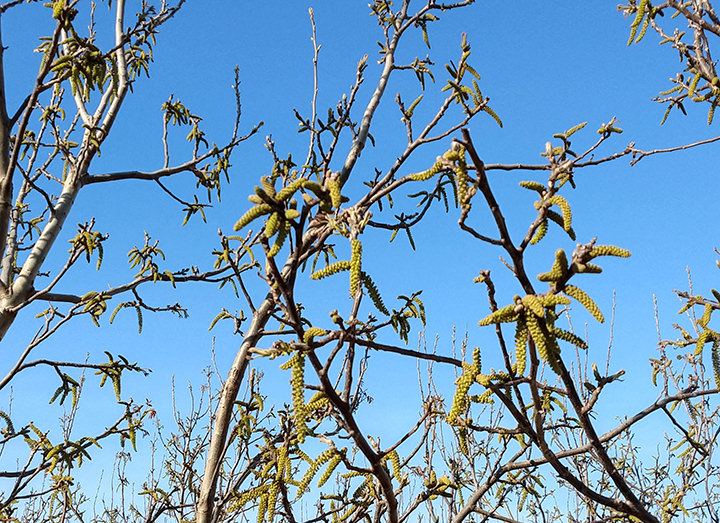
x: 403, y: 232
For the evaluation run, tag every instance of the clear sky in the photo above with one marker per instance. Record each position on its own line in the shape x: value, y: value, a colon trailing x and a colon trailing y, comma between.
x: 545, y: 66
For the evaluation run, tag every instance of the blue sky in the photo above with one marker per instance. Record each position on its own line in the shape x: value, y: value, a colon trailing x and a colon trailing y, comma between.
x: 545, y: 68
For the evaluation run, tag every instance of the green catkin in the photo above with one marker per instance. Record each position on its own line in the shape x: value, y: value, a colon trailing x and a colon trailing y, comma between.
x: 316, y: 404
x: 395, y: 462
x: 533, y: 186
x: 280, y: 239
x: 331, y: 269
x: 704, y: 337
x: 569, y: 337
x: 521, y: 334
x: 532, y: 303
x: 540, y: 232
x: 638, y: 19
x: 609, y: 250
x: 426, y: 175
x: 546, y: 346
x: 504, y: 315
x: 460, y: 399
x: 461, y: 176
x: 272, y: 499
x: 313, y: 332
x: 315, y: 187
x: 705, y: 319
x: 289, y: 363
x: 323, y: 458
x: 476, y: 359
x: 252, y: 214
x: 552, y: 215
x: 272, y: 225
x: 373, y: 293
x: 333, y: 185
x: 485, y: 397
x: 355, y: 266
x: 693, y: 85
x: 716, y: 363
x: 588, y: 268
x: 552, y: 300
x: 268, y: 186
x: 574, y: 129
x: 585, y: 300
x: 565, y: 208
x: 262, y: 507
x: 646, y: 24
x: 711, y: 112
x: 250, y: 495
x: 290, y: 189
x: 297, y: 383
x: 334, y: 462
x: 559, y: 269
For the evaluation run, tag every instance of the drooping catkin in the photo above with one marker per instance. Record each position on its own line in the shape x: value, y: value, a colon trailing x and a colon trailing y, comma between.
x: 297, y: 383
x: 355, y: 266
x: 331, y: 269
x: 252, y: 214
x: 585, y: 300
x: 521, y: 334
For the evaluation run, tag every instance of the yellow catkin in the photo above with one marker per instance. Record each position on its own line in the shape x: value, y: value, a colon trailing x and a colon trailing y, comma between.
x: 460, y: 399
x: 333, y: 185
x: 272, y: 225
x: 461, y: 177
x: 521, y: 334
x: 297, y: 383
x: 551, y: 300
x: 334, y: 462
x: 716, y: 363
x: 504, y: 315
x: 639, y: 15
x: 312, y: 332
x: 355, y: 266
x: 374, y: 293
x: 569, y: 337
x: 546, y: 347
x: 426, y: 175
x: 280, y: 239
x: 533, y: 186
x: 287, y: 191
x: 585, y: 300
x: 707, y: 313
x: 262, y: 507
x: 693, y: 84
x: 272, y: 499
x: 268, y: 186
x: 477, y: 363
x: 251, y: 214
x: 395, y: 462
x: 609, y: 250
x: 587, y: 268
x: 552, y: 215
x: 291, y: 214
x: 331, y: 269
x: 565, y: 208
x: 704, y: 337
x: 559, y: 269
x: 532, y: 303
x: 485, y: 397
x: 540, y: 232
x: 323, y: 458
